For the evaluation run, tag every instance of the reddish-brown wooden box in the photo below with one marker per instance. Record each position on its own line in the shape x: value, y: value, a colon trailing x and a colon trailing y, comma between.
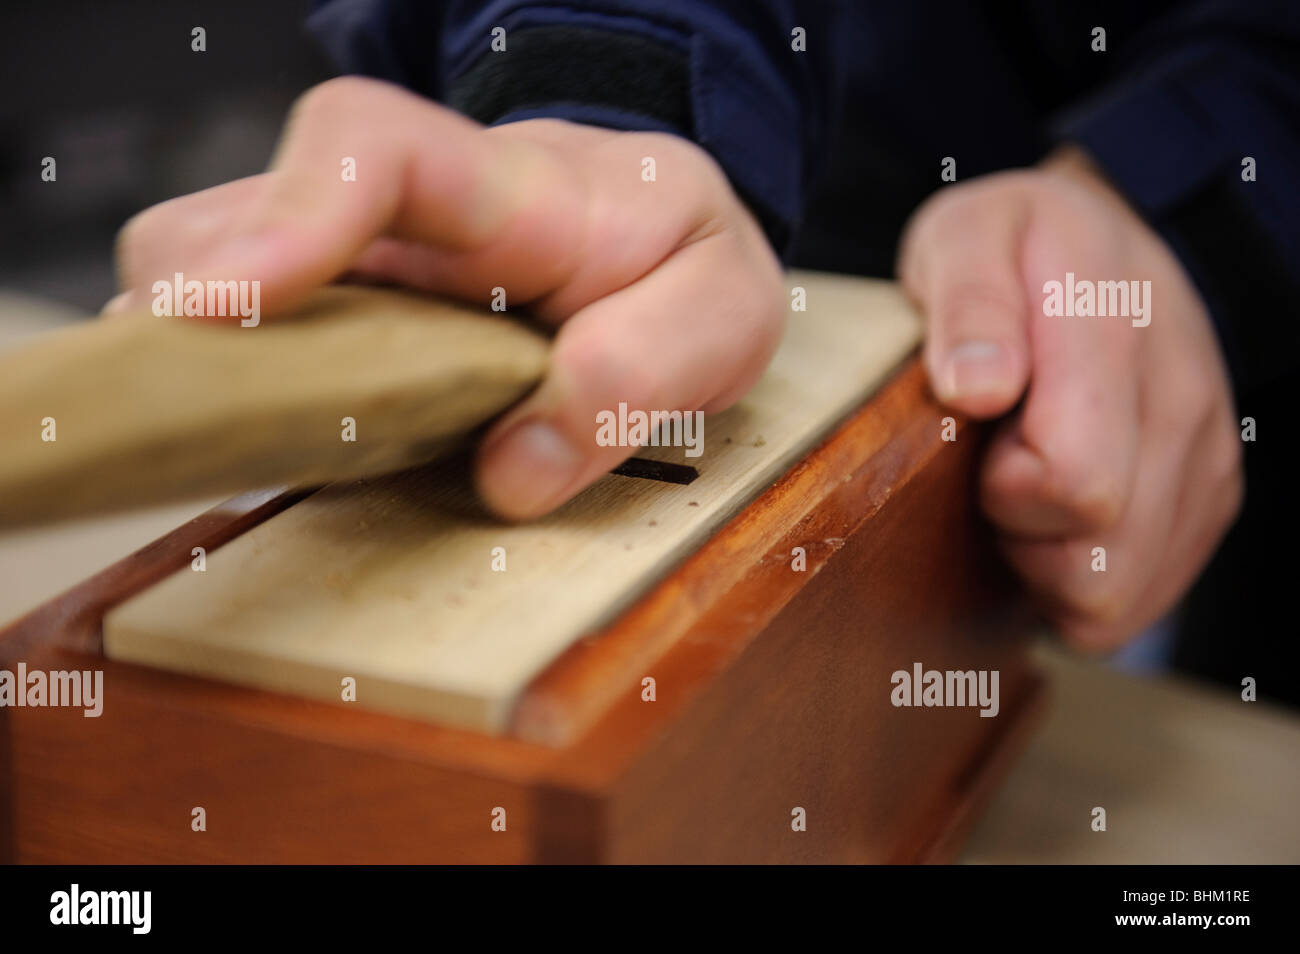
x: 773, y: 693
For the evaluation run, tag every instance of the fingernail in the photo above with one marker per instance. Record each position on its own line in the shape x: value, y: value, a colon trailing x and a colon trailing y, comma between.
x: 525, y: 472
x: 976, y: 367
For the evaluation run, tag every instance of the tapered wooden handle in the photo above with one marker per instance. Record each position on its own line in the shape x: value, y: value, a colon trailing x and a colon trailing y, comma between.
x: 140, y: 409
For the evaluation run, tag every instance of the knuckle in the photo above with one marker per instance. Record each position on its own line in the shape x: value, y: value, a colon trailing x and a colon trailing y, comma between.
x: 138, y: 236
x: 1103, y: 604
x: 142, y: 227
x: 756, y: 287
x: 342, y: 96
x: 608, y: 373
x: 1090, y: 636
x: 126, y: 246
x: 1094, y: 495
x: 1221, y: 465
x: 1101, y: 600
x: 763, y: 313
x: 1100, y: 504
x: 701, y: 185
x: 683, y: 151
x: 1228, y: 466
x: 957, y: 211
x: 968, y: 206
x: 1185, y: 399
x: 1060, y: 577
x: 971, y: 306
x: 942, y: 213
x: 1229, y: 476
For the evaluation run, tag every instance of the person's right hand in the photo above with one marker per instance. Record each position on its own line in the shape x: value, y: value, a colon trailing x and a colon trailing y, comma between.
x: 666, y: 293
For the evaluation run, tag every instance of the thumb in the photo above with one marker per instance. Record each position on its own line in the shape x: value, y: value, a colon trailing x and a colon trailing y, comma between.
x: 960, y: 261
x: 692, y: 335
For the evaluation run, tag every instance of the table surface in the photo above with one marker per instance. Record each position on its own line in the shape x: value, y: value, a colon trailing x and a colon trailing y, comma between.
x: 1188, y: 774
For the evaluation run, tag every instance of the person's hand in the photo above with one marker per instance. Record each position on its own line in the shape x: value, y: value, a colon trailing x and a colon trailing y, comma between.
x: 666, y: 293
x: 1126, y: 437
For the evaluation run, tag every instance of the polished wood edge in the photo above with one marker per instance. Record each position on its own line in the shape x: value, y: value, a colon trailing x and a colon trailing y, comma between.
x: 72, y: 620
x: 957, y: 808
x: 742, y: 573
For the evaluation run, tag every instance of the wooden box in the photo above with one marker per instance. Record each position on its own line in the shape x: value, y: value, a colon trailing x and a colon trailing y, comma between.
x: 771, y: 736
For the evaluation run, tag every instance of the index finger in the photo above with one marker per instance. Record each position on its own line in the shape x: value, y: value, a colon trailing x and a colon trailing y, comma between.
x: 360, y: 159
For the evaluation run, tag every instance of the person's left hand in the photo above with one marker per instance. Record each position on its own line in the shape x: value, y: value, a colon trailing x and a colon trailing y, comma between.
x: 1126, y: 438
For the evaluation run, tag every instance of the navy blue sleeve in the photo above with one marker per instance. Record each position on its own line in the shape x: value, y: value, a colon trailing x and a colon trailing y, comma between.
x: 1200, y: 129
x: 727, y: 74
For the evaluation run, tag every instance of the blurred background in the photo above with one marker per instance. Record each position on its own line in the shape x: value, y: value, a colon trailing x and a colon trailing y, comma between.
x: 133, y: 116
x: 113, y: 91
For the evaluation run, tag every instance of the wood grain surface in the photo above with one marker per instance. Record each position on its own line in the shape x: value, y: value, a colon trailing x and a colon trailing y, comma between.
x: 392, y: 581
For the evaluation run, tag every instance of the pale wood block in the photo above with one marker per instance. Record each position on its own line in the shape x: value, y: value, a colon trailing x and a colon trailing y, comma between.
x: 148, y: 409
x: 38, y: 563
x: 390, y: 580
